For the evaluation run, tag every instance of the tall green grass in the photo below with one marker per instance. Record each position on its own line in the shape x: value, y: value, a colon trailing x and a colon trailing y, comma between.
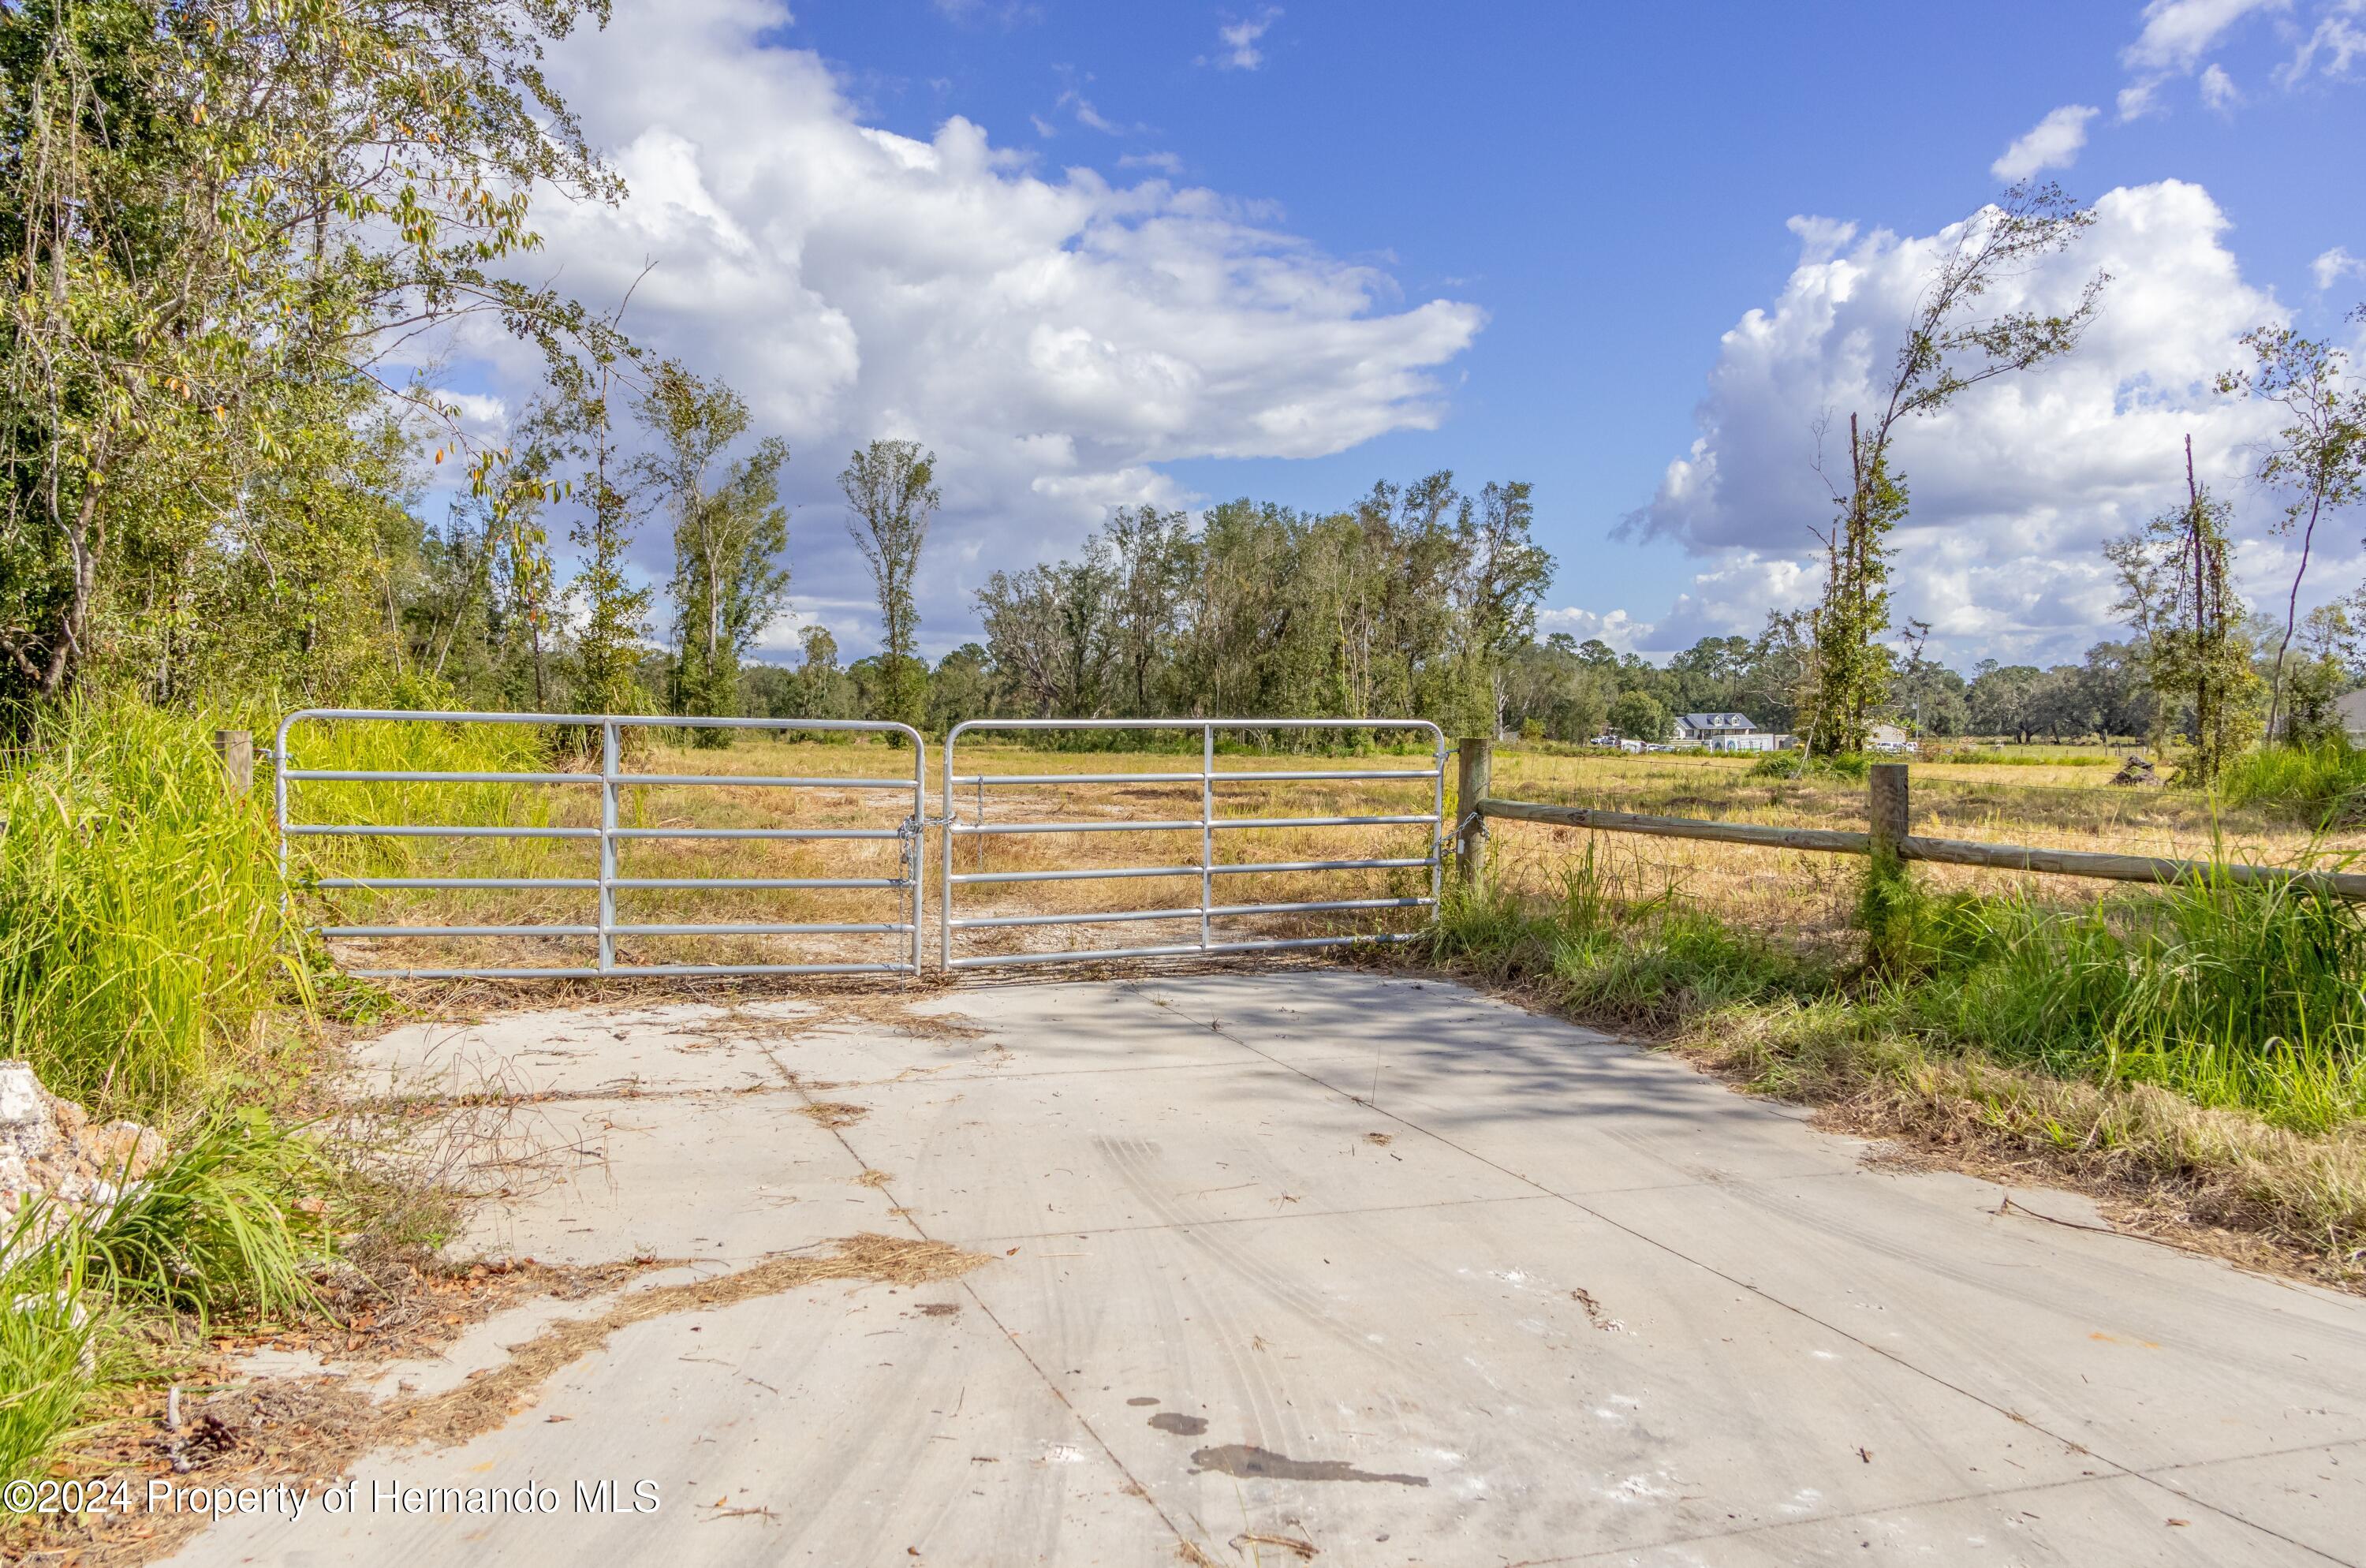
x: 2230, y: 994
x: 234, y: 1220
x: 142, y: 944
x: 47, y: 1341
x: 2323, y: 785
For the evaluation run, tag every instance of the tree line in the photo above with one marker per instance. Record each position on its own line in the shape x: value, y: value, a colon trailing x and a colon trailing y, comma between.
x: 229, y: 231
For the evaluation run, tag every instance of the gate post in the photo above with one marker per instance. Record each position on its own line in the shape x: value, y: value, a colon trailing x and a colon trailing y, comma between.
x: 609, y: 768
x: 1475, y: 768
x: 1885, y: 804
x: 236, y: 749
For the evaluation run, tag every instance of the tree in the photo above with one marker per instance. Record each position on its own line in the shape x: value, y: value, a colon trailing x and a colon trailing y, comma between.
x: 1152, y: 555
x: 2318, y: 459
x: 891, y: 487
x: 1053, y: 630
x: 2004, y: 698
x: 964, y: 687
x: 1503, y: 583
x: 218, y: 224
x: 1948, y: 350
x: 1638, y: 715
x: 2198, y: 656
x: 612, y: 629
x: 728, y: 537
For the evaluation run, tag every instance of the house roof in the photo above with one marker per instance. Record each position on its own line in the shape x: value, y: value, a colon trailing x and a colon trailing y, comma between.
x: 1716, y: 721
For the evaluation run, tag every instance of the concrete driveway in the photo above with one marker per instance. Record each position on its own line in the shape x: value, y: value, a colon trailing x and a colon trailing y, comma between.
x: 1334, y: 1268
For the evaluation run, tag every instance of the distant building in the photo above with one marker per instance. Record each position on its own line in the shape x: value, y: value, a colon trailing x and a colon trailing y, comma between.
x: 1887, y: 738
x: 1726, y: 732
x: 2352, y: 709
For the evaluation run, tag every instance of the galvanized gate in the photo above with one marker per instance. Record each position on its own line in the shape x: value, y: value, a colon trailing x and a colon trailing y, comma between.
x: 1207, y: 867
x: 610, y: 835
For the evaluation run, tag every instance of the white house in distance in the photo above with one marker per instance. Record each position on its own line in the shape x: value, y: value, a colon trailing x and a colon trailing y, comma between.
x: 1726, y: 732
x: 2352, y: 709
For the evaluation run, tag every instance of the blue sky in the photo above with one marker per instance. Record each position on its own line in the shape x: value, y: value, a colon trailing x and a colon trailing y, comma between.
x: 1609, y: 190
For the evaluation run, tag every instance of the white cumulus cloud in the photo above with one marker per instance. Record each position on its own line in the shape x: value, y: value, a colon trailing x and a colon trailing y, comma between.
x: 1241, y: 40
x: 2177, y: 34
x: 2331, y: 266
x: 1053, y: 335
x: 2015, y: 488
x: 2218, y: 89
x: 2051, y: 143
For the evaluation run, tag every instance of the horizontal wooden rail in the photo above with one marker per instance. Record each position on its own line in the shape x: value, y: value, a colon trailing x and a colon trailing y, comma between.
x: 1829, y: 839
x: 1951, y: 852
x: 1886, y: 811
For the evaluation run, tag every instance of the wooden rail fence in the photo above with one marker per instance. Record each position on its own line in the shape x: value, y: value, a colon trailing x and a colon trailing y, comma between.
x: 1886, y: 815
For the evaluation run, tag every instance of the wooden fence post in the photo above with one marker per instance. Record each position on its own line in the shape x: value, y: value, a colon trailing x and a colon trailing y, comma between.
x: 1886, y: 807
x: 236, y: 749
x: 1469, y: 789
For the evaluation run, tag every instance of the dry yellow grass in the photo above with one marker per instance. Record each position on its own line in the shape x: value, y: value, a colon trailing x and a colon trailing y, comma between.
x: 1800, y: 894
x: 1812, y: 895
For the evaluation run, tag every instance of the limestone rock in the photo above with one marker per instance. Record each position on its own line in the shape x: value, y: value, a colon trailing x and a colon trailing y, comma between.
x: 51, y: 1151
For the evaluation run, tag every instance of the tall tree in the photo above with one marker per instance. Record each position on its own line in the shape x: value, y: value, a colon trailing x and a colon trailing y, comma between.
x: 612, y: 629
x: 728, y: 534
x: 1950, y: 347
x: 2318, y: 459
x: 1153, y: 558
x: 2197, y: 656
x: 890, y: 487
x: 1504, y: 581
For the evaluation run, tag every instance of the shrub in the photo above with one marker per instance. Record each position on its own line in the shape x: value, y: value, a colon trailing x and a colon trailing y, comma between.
x: 1848, y: 765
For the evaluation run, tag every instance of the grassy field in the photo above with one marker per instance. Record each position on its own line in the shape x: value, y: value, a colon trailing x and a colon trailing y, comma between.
x: 2045, y: 796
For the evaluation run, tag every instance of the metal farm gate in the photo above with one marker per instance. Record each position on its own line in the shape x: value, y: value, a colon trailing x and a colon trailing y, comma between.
x: 1206, y: 867
x: 609, y: 835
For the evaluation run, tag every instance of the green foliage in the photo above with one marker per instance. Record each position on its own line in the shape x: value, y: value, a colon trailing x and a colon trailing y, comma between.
x: 231, y: 1221
x: 2323, y: 785
x: 1638, y: 715
x: 2177, y: 582
x: 1893, y: 913
x: 2228, y: 993
x: 206, y: 211
x: 890, y: 487
x: 47, y: 1333
x: 2317, y: 460
x: 728, y: 536
x: 1844, y: 765
x: 1849, y: 672
x: 1644, y: 961
x: 1952, y: 344
x: 1420, y: 601
x: 2231, y: 995
x: 220, y: 1225
x: 141, y: 936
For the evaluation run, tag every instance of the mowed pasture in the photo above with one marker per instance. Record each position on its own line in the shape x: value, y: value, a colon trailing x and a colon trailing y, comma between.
x: 725, y: 804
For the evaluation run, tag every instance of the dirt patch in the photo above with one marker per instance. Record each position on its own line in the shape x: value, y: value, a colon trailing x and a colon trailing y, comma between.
x: 308, y: 1431
x: 835, y: 1112
x: 873, y: 1178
